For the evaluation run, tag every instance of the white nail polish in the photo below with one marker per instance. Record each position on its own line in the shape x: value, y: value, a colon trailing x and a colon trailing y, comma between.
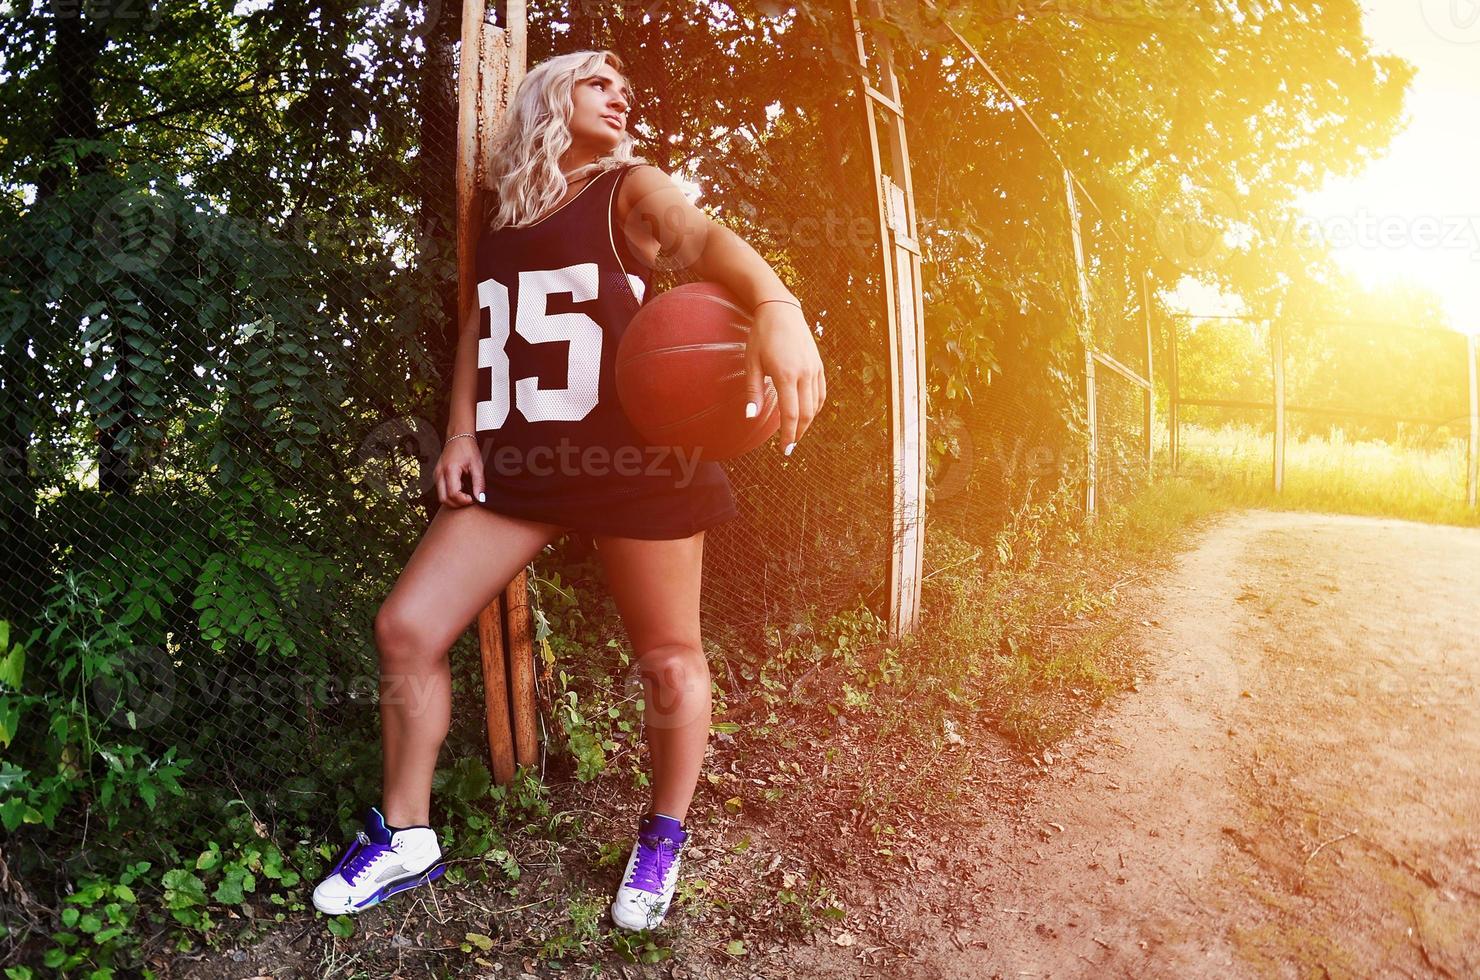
x: 789, y: 447
x: 482, y: 498
x: 751, y: 410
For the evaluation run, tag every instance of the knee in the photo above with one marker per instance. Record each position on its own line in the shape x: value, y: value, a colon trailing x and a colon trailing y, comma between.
x: 675, y: 668
x: 401, y: 639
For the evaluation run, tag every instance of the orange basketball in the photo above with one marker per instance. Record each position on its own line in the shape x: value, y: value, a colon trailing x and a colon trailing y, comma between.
x: 681, y: 373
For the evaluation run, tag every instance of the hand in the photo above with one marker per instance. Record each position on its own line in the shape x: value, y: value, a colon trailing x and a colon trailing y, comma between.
x: 458, y: 457
x: 781, y: 345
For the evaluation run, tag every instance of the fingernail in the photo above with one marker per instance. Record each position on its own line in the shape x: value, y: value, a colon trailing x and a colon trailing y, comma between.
x: 789, y: 447
x: 482, y: 498
x: 751, y: 410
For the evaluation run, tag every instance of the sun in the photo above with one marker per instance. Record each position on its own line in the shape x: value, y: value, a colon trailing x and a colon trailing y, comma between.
x: 1414, y: 215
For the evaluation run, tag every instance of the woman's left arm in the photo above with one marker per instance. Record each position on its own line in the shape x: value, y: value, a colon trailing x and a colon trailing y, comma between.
x: 781, y: 343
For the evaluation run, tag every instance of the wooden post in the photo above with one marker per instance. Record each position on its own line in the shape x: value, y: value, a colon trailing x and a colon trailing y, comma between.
x: 1472, y: 457
x: 1277, y: 357
x: 495, y: 693
x: 905, y: 318
x: 1150, y: 390
x: 520, y: 658
x: 491, y: 64
x: 1086, y: 334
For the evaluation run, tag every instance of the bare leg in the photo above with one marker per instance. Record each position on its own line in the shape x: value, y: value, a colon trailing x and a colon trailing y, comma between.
x: 466, y: 558
x: 656, y: 588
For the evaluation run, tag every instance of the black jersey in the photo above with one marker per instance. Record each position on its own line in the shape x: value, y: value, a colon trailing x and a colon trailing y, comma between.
x: 555, y: 296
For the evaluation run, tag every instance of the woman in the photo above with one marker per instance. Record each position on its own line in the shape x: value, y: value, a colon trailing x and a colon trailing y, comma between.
x: 564, y: 261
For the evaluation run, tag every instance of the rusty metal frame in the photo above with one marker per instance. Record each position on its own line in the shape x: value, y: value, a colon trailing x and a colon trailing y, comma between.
x: 904, y: 309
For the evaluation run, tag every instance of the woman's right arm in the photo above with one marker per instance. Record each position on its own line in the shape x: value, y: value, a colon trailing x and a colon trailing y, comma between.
x: 460, y: 456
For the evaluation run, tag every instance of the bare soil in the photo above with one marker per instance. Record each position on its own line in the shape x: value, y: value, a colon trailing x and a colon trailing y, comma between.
x: 1288, y: 789
x: 1293, y: 789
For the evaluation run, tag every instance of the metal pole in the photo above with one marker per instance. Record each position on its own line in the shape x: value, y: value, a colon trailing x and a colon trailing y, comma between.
x: 1277, y: 355
x: 1150, y: 376
x: 1472, y: 457
x: 1086, y: 334
x: 1174, y: 406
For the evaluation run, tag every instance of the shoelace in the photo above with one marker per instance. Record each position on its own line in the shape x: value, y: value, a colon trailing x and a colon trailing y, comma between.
x: 655, y: 856
x: 355, y: 861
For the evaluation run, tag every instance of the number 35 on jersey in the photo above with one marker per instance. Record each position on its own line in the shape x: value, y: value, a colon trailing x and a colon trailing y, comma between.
x: 537, y: 326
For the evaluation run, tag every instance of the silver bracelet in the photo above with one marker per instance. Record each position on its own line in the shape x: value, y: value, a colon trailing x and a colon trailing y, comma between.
x: 461, y: 435
x: 765, y: 301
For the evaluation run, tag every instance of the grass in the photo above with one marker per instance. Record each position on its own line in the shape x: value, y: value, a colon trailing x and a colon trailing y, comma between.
x: 1421, y: 478
x: 1025, y: 638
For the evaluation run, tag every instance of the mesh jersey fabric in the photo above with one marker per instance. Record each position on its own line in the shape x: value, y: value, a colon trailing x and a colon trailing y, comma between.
x: 555, y: 296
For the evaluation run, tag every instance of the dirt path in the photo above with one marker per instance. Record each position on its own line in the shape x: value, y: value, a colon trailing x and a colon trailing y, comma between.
x: 1294, y: 791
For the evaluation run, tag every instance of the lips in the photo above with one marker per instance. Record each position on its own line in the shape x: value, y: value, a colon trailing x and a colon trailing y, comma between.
x: 613, y: 120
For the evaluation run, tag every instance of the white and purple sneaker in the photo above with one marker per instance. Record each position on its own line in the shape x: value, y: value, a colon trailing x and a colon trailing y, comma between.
x: 651, y: 875
x: 377, y: 864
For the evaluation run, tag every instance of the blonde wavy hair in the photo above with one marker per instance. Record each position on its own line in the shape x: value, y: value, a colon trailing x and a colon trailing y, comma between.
x: 524, y: 177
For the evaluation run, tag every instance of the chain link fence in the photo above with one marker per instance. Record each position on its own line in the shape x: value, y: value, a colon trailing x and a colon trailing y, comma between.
x: 227, y: 326
x: 1003, y: 361
x: 226, y: 331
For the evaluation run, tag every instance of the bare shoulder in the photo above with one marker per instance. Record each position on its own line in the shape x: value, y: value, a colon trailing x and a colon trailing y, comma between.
x: 642, y: 181
x: 645, y: 175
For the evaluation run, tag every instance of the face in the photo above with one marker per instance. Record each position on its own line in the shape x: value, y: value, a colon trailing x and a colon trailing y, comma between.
x: 599, y: 107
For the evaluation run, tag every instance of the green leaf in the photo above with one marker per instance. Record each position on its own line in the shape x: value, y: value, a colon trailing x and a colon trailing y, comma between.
x: 229, y: 892
x: 12, y: 665
x: 10, y: 719
x: 467, y: 780
x: 183, y: 890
